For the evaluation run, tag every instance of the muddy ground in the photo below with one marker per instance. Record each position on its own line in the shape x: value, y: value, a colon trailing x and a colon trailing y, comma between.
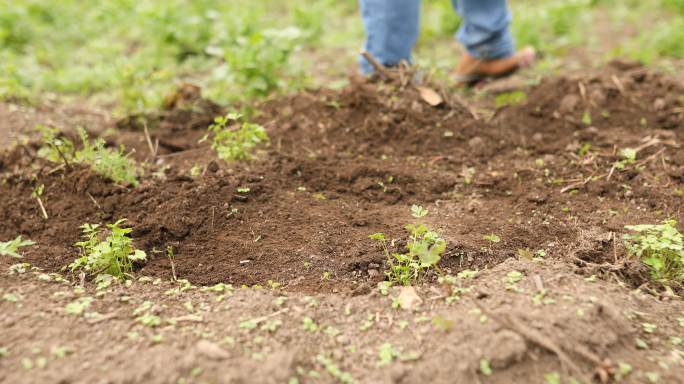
x: 341, y: 165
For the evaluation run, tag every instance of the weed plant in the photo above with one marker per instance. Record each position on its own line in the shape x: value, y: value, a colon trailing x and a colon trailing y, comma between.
x: 424, y: 251
x: 11, y: 248
x: 110, y: 163
x: 114, y: 255
x: 661, y: 248
x: 235, y: 140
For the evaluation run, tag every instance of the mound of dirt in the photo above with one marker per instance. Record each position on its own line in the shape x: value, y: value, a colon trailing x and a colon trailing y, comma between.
x: 344, y: 164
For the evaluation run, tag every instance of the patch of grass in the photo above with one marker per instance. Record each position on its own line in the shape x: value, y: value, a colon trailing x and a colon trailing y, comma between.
x: 110, y: 163
x: 234, y: 140
x: 334, y: 370
x: 425, y: 248
x: 113, y: 164
x: 510, y: 98
x: 661, y: 248
x: 115, y: 255
x: 11, y: 248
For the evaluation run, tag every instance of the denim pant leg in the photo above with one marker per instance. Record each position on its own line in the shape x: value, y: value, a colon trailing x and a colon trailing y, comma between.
x: 391, y: 30
x: 485, y: 31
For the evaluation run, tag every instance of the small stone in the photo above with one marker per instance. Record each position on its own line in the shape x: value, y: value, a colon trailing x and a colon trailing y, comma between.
x: 597, y: 97
x: 476, y: 142
x: 211, y: 350
x: 408, y: 298
x: 373, y: 273
x: 212, y: 167
x: 568, y: 103
x: 659, y: 104
x: 538, y: 137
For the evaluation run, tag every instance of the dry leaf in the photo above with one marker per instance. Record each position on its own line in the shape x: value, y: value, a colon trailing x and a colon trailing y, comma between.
x: 430, y: 96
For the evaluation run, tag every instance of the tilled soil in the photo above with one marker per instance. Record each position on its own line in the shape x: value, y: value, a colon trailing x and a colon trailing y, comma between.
x: 344, y: 165
x: 341, y: 165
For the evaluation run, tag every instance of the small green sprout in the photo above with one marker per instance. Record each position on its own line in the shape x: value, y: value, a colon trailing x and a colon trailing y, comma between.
x: 78, y: 306
x: 648, y: 327
x: 309, y: 325
x: 552, y: 378
x: 334, y: 370
x: 11, y: 248
x: 386, y: 354
x: 485, y: 367
x: 492, y: 237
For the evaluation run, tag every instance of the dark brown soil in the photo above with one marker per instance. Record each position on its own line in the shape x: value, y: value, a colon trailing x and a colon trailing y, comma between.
x: 343, y: 165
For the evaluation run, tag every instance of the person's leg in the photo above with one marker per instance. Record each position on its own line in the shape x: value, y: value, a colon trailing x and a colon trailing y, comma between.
x: 485, y: 34
x: 485, y: 29
x: 391, y: 30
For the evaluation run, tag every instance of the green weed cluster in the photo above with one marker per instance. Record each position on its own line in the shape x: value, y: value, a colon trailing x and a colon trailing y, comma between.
x: 115, y: 255
x: 661, y: 248
x: 424, y: 251
x: 108, y: 162
x: 235, y: 140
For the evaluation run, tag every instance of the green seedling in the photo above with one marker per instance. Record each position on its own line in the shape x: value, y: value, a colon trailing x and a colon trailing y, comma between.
x: 386, y: 354
x: 78, y: 306
x: 115, y: 255
x: 233, y: 140
x: 55, y: 148
x: 492, y: 238
x: 552, y: 378
x: 11, y: 248
x: 485, y: 367
x: 627, y: 157
x: 425, y: 249
x: 661, y: 248
x: 624, y: 369
x: 334, y: 370
x: 309, y: 325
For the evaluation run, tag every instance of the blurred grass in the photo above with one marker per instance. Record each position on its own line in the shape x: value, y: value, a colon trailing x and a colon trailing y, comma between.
x: 130, y: 53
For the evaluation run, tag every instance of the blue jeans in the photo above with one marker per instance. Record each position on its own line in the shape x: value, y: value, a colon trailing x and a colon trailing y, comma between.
x: 392, y: 28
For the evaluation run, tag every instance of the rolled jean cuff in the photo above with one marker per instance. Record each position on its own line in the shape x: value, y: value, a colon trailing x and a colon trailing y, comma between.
x: 499, y: 46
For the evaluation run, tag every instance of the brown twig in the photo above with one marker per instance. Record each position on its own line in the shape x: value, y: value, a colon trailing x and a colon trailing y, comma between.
x: 42, y: 207
x: 381, y: 69
x: 618, y: 84
x: 153, y: 150
x: 93, y: 200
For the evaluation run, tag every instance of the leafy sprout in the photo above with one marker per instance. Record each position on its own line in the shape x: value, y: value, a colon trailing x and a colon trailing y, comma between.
x: 11, y: 248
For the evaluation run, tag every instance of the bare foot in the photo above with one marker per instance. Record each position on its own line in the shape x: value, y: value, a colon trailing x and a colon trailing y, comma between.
x: 470, y: 69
